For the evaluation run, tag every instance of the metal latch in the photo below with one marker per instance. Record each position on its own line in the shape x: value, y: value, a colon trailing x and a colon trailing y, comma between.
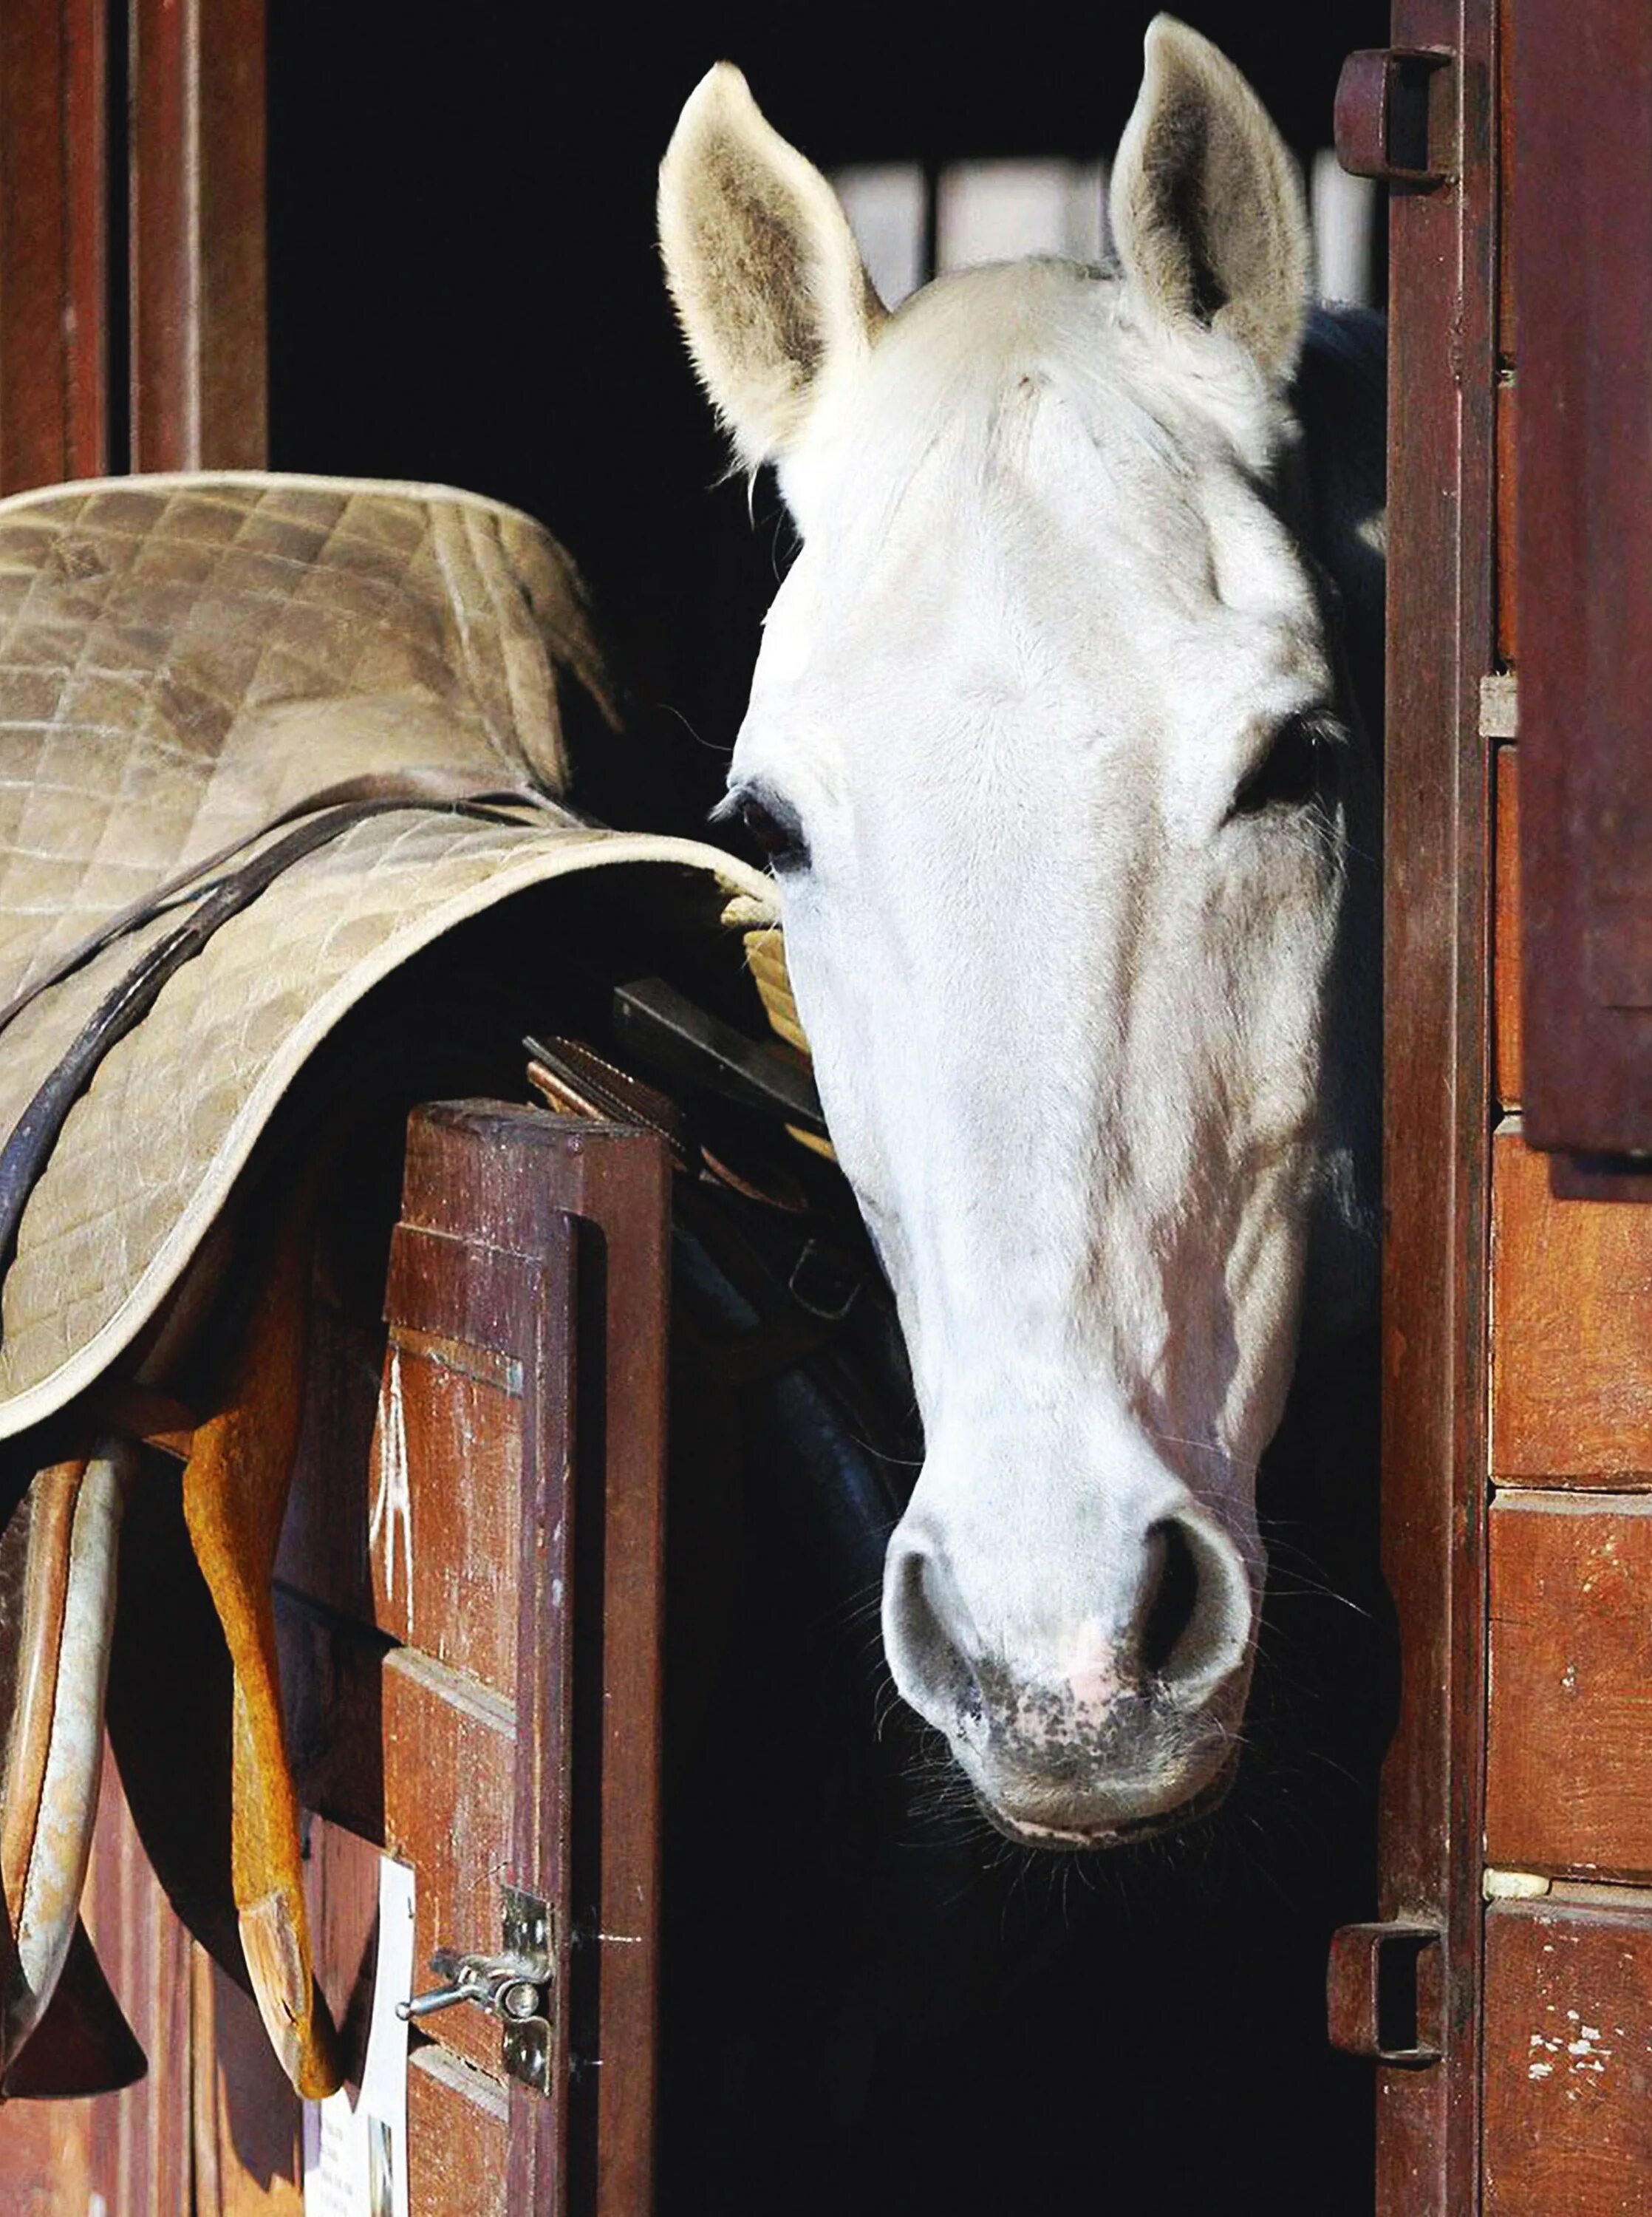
x: 1386, y: 1991
x: 514, y: 1985
x: 1396, y: 116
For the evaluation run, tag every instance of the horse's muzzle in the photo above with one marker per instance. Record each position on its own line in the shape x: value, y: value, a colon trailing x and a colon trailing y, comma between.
x: 1082, y: 1726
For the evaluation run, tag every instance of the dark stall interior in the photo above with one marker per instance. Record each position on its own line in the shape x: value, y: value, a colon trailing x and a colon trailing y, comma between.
x: 905, y: 2015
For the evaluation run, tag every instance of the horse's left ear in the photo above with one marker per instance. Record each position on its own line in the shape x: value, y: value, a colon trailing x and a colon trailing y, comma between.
x: 1206, y: 205
x: 762, y: 265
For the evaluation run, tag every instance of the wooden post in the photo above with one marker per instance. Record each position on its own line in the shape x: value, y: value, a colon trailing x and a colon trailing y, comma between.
x: 198, y: 368
x: 53, y: 242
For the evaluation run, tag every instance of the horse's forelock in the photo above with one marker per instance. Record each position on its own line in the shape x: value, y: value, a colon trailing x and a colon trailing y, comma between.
x: 957, y: 371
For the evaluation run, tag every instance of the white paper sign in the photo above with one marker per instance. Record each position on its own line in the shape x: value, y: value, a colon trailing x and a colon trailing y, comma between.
x: 356, y: 2158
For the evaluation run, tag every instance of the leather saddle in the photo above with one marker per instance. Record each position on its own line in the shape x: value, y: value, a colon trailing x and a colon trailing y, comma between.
x: 265, y: 742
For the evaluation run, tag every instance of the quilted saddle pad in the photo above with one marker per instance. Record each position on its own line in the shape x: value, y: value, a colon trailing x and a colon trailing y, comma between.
x: 183, y: 660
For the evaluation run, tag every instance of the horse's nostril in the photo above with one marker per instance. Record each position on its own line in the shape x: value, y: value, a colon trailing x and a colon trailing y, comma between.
x: 1195, y: 1617
x: 929, y: 1666
x: 1171, y: 1589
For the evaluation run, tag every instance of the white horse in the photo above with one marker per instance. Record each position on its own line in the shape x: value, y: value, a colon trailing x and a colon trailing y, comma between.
x: 1067, y: 808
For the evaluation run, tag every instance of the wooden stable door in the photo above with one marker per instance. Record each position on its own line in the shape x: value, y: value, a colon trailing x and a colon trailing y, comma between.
x: 1508, y: 1994
x: 471, y: 1630
x: 469, y: 1599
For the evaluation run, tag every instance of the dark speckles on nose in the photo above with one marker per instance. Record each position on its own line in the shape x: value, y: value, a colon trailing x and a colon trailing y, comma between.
x: 1044, y: 1720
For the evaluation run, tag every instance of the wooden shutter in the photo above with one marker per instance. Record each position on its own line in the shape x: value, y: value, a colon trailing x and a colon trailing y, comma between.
x: 1582, y: 283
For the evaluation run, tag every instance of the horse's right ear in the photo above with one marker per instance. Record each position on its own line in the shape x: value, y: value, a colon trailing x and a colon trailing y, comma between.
x: 762, y: 265
x: 1206, y: 205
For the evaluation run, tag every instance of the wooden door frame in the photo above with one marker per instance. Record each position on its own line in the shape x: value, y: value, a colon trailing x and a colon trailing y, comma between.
x: 1438, y: 1096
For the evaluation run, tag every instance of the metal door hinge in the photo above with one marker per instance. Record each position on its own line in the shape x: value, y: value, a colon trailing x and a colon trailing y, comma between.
x: 514, y: 1985
x: 1396, y: 116
x: 1386, y: 1991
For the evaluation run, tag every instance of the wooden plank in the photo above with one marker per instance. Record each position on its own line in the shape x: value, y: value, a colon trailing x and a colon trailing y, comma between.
x: 440, y: 1568
x: 1438, y: 839
x: 45, y: 2158
x: 1583, y: 249
x: 85, y: 143
x: 457, y: 2134
x: 1505, y: 181
x: 1569, y: 2060
x: 198, y: 256
x: 53, y: 152
x: 450, y: 1771
x: 247, y: 2132
x: 1506, y: 960
x: 1571, y: 1332
x: 140, y: 2139
x: 1508, y: 599
x: 1568, y: 1787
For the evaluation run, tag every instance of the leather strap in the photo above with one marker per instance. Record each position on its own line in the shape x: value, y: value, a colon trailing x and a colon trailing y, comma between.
x: 411, y: 792
x: 235, y: 1489
x: 29, y: 1145
x: 60, y: 1549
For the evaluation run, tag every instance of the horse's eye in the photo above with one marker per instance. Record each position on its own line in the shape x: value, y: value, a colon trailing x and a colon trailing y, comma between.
x: 774, y: 830
x: 1288, y: 776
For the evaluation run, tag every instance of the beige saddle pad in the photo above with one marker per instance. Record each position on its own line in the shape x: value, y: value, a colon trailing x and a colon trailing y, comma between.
x: 181, y: 659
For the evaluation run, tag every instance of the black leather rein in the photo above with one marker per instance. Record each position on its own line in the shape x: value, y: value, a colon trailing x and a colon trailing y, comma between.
x: 321, y: 819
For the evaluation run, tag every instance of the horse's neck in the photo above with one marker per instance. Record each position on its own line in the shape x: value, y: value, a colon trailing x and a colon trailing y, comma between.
x: 1341, y: 404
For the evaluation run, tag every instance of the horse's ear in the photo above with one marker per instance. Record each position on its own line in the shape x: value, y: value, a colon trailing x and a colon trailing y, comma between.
x: 1207, y: 205
x: 762, y: 265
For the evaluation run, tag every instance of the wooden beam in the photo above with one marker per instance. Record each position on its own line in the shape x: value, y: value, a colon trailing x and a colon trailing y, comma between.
x: 198, y: 258
x: 53, y: 162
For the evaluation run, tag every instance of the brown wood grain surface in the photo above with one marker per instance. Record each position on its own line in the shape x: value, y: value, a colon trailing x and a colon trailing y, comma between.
x: 1572, y: 1331
x: 454, y: 1594
x: 1582, y: 253
x: 141, y: 2156
x: 1508, y: 601
x: 1569, y: 2060
x: 45, y: 2154
x: 1506, y: 960
x: 341, y: 1889
x: 458, y: 2133
x: 197, y: 229
x: 1438, y: 846
x: 53, y: 153
x: 1506, y: 342
x: 450, y: 1757
x: 1569, y: 1785
x: 248, y: 2123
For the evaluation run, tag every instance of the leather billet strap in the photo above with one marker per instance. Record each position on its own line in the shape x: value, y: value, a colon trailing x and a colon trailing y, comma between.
x: 235, y: 1484
x: 57, y: 1610
x: 213, y: 899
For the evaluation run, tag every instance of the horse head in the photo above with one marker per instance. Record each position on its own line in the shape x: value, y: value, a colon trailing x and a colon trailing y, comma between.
x: 1047, y: 746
